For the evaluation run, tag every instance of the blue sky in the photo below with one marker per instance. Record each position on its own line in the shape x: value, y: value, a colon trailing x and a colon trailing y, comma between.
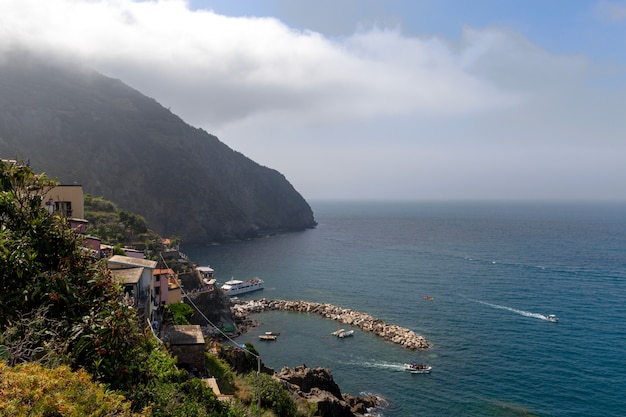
x: 385, y: 99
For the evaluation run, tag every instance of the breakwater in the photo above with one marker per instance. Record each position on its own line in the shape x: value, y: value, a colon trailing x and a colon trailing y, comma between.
x: 391, y: 332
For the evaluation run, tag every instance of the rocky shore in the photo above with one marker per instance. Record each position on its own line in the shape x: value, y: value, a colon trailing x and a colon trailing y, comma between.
x: 317, y: 386
x: 391, y: 332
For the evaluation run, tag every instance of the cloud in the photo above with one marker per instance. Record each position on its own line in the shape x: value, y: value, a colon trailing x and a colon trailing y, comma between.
x: 377, y: 112
x: 216, y: 69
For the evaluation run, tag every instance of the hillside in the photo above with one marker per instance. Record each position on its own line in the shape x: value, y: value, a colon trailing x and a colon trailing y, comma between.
x: 82, y: 127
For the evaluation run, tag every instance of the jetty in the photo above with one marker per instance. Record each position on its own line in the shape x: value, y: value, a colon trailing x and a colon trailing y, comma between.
x: 391, y: 332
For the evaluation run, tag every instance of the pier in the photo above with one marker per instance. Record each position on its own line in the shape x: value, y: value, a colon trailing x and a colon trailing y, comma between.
x: 391, y: 332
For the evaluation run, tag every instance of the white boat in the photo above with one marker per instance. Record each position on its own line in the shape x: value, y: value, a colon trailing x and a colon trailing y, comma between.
x: 416, y: 368
x: 267, y: 337
x: 552, y: 318
x: 341, y: 333
x: 345, y: 334
x: 235, y: 286
x: 336, y: 332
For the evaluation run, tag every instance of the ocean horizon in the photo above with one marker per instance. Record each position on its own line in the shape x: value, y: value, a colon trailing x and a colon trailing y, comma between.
x: 476, y: 279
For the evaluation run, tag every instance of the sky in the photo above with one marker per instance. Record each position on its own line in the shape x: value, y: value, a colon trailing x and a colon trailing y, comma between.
x: 372, y: 99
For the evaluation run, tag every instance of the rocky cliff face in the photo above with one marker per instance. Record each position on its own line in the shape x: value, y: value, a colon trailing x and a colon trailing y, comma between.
x: 82, y: 127
x: 317, y: 386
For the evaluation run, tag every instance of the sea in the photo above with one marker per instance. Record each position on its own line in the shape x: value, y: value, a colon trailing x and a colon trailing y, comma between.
x: 476, y: 279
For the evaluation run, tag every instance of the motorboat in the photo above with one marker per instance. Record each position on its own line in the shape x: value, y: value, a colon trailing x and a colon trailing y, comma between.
x: 235, y: 286
x: 341, y: 333
x: 338, y: 331
x: 267, y: 337
x: 552, y: 318
x: 416, y: 368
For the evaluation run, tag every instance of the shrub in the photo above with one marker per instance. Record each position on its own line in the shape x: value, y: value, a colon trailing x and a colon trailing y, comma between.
x: 32, y: 390
x: 181, y: 312
x: 273, y: 395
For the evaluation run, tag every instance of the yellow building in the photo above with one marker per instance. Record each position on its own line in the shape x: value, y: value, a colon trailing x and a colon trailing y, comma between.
x: 66, y: 200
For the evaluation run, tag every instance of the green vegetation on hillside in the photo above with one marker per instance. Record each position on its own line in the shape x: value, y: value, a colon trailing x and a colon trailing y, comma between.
x: 114, y: 225
x: 59, y: 307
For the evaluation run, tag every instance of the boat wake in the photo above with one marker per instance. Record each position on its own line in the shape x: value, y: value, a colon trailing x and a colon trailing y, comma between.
x: 511, y: 309
x: 392, y: 366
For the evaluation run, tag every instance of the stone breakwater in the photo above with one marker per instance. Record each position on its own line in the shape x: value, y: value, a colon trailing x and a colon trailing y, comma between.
x: 391, y: 332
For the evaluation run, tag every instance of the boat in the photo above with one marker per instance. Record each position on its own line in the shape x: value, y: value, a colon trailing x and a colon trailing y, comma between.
x: 416, y: 368
x: 235, y: 286
x: 552, y: 318
x: 267, y: 337
x: 345, y: 333
x: 341, y: 333
x: 338, y: 331
x: 272, y: 333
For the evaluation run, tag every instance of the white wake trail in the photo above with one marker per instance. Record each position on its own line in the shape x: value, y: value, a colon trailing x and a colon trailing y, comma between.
x: 514, y: 310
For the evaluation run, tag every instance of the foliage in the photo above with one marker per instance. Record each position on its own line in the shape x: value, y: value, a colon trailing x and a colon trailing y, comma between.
x: 117, y: 250
x: 33, y: 390
x: 57, y: 305
x: 222, y: 373
x: 186, y: 398
x: 273, y: 395
x: 113, y: 224
x: 241, y: 360
x: 181, y: 312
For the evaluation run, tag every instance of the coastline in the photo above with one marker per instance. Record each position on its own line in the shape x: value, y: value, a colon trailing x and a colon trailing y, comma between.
x: 406, y: 338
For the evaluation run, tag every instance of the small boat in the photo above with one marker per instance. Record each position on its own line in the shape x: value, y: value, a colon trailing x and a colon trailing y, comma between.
x: 338, y: 331
x: 552, y: 318
x: 267, y: 337
x: 272, y: 333
x: 341, y: 333
x: 416, y: 368
x: 235, y: 286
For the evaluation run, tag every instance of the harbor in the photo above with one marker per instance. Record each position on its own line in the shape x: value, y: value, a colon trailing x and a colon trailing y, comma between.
x: 390, y: 332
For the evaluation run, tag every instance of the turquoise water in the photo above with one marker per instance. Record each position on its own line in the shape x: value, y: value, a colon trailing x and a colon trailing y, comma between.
x: 492, y: 269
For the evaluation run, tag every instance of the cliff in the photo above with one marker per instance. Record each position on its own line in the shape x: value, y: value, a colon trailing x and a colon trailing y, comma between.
x: 80, y: 126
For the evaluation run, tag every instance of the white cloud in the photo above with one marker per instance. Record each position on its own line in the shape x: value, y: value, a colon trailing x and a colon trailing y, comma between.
x: 216, y: 69
x: 347, y: 116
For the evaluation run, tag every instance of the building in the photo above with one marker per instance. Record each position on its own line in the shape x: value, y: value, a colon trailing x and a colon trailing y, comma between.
x: 136, y: 275
x: 187, y: 344
x: 66, y: 200
x: 166, y: 286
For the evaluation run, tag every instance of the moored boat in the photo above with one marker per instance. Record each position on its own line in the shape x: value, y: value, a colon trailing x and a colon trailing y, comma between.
x: 338, y: 331
x: 416, y: 368
x: 267, y: 337
x: 341, y: 333
x: 235, y: 286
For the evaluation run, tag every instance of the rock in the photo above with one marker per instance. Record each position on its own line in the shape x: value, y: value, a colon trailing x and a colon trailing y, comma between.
x: 316, y: 385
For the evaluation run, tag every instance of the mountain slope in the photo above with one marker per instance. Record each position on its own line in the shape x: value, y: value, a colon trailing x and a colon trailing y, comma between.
x: 80, y: 126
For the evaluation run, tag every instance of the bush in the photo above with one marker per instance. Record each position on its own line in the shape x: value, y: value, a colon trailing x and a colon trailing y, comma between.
x: 181, y: 312
x: 33, y: 390
x: 273, y: 395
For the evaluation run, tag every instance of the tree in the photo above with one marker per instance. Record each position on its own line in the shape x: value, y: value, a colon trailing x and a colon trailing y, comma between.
x: 82, y: 318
